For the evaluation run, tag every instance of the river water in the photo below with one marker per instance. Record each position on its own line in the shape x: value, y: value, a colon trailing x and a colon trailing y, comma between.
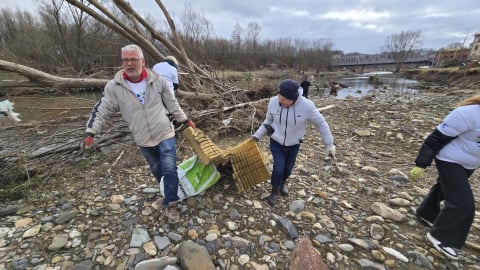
x: 358, y: 85
x: 39, y: 108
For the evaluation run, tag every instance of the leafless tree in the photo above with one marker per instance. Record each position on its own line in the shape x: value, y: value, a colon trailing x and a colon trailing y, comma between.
x: 401, y: 46
x: 195, y: 30
x: 18, y: 31
x: 83, y: 37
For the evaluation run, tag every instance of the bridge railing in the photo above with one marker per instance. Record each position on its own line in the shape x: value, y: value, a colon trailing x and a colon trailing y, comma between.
x: 358, y: 60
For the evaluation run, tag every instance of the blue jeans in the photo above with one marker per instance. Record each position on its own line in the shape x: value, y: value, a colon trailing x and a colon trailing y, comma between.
x: 163, y: 162
x: 284, y: 158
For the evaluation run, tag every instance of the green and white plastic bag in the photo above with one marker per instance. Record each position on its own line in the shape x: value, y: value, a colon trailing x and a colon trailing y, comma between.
x: 194, y: 178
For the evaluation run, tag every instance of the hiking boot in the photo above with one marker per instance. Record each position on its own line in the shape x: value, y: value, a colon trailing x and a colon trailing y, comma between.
x: 272, y: 199
x: 157, y: 204
x: 172, y: 214
x: 284, y: 190
x: 447, y: 251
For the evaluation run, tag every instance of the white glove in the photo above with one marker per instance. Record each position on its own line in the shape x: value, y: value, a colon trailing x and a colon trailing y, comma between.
x: 331, y: 151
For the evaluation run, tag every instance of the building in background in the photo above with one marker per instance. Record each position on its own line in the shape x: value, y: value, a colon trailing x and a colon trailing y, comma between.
x: 451, y: 57
x: 475, y: 52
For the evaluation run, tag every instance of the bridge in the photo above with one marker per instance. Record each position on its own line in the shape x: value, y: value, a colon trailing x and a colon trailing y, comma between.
x: 364, y: 60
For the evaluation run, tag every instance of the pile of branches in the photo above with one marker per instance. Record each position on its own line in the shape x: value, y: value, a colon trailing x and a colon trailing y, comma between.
x: 39, y: 149
x: 217, y: 108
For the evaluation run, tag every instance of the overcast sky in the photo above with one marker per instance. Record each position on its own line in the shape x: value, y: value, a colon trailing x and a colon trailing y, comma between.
x: 353, y: 26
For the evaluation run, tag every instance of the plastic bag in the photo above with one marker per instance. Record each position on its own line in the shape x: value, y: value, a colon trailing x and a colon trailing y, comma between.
x: 194, y: 178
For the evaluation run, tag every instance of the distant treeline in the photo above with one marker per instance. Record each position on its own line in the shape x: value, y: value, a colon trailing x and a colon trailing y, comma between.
x: 60, y: 39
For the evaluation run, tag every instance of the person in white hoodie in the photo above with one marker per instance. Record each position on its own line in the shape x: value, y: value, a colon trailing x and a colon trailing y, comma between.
x: 286, y: 120
x: 455, y: 146
x: 168, y: 69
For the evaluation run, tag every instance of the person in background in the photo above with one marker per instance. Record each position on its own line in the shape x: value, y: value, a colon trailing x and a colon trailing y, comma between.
x: 144, y: 100
x: 287, y: 117
x: 455, y: 146
x: 305, y: 85
x: 333, y: 88
x: 168, y: 69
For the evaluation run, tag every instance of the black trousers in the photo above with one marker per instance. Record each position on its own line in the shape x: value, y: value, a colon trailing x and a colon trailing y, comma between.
x: 451, y: 223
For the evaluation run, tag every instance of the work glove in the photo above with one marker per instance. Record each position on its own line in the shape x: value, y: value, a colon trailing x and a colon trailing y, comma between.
x: 87, y: 141
x: 184, y: 125
x: 331, y: 151
x: 417, y: 173
x: 190, y: 123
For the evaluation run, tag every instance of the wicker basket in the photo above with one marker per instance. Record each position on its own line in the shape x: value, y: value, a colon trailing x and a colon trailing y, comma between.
x: 249, y: 166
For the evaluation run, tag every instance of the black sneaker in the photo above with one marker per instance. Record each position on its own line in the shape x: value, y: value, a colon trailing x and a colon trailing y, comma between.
x: 272, y: 199
x: 284, y: 190
x: 447, y: 251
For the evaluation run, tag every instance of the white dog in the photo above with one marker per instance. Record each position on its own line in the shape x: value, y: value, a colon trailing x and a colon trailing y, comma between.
x: 6, y: 109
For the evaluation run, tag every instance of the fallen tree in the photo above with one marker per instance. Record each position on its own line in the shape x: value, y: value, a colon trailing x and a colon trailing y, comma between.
x: 198, y: 88
x: 219, y: 109
x: 39, y: 78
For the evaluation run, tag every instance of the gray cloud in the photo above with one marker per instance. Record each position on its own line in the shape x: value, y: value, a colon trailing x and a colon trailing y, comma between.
x: 353, y: 26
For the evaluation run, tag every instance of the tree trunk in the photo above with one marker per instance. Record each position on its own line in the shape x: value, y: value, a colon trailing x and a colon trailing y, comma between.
x: 41, y: 79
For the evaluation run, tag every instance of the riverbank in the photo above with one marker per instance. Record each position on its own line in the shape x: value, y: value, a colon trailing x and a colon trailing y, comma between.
x: 336, y: 204
x: 442, y: 78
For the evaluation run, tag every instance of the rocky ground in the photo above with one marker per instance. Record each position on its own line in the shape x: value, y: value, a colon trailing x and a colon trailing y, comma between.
x: 99, y: 212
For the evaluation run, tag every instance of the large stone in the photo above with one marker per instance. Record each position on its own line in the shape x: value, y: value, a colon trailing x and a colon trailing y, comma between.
x: 66, y: 217
x: 8, y: 210
x: 155, y: 264
x: 306, y: 257
x: 58, y: 242
x: 387, y: 212
x: 194, y: 257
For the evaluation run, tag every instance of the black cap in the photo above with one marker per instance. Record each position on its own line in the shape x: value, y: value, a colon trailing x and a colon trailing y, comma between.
x: 289, y: 89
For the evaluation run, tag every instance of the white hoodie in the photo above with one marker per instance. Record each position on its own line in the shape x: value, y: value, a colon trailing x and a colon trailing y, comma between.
x: 290, y: 123
x: 464, y: 124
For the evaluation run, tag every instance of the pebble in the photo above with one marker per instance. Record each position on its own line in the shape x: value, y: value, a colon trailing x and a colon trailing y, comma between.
x: 354, y: 213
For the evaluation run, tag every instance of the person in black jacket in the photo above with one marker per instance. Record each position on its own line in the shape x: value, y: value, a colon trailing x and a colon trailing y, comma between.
x: 305, y: 84
x: 455, y: 146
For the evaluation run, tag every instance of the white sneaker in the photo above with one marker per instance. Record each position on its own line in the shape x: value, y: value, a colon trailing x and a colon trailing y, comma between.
x: 447, y: 251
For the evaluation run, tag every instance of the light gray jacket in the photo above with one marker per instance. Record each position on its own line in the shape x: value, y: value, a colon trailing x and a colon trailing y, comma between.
x: 290, y: 123
x: 148, y: 123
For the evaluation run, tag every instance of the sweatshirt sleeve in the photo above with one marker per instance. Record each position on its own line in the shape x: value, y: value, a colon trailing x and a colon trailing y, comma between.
x: 102, y: 111
x: 170, y: 102
x: 430, y: 148
x: 268, y: 120
x: 322, y: 126
x: 454, y: 124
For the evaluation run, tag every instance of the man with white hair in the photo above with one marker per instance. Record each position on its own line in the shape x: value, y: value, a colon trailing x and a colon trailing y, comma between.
x: 144, y: 100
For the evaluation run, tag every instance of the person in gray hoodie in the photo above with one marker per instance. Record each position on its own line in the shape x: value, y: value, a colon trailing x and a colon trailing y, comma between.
x: 287, y: 117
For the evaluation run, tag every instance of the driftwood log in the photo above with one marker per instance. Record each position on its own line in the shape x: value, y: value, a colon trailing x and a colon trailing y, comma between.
x: 39, y: 78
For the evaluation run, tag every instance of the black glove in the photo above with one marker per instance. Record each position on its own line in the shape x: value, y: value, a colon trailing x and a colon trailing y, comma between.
x: 185, y: 124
